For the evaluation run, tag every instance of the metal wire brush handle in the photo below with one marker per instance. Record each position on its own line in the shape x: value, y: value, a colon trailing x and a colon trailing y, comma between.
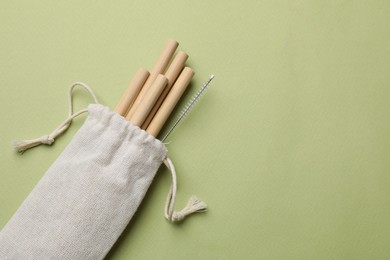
x: 189, y: 106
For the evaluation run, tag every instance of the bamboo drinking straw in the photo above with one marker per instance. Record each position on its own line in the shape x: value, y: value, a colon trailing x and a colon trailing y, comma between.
x: 172, y: 73
x: 158, y: 68
x: 170, y: 101
x: 132, y: 91
x: 148, y: 101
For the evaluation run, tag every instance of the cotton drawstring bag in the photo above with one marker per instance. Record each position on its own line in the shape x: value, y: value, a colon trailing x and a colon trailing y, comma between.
x: 89, y: 194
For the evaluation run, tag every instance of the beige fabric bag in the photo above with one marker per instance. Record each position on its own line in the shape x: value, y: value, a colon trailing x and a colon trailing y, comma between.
x: 89, y: 194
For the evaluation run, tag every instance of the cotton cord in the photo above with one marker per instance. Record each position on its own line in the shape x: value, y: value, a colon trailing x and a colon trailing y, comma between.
x: 23, y: 145
x: 193, y: 205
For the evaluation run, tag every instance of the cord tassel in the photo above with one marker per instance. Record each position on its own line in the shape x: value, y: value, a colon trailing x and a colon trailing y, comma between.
x: 194, y: 205
x: 24, y: 145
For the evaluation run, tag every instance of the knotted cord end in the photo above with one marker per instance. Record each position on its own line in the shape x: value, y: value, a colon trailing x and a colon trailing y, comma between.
x: 23, y: 145
x: 194, y: 205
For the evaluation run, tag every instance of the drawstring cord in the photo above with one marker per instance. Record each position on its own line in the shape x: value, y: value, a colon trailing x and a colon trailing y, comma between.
x: 193, y: 205
x: 23, y: 145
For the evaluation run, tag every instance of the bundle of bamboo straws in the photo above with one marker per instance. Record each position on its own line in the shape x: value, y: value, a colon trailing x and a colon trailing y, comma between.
x: 152, y: 96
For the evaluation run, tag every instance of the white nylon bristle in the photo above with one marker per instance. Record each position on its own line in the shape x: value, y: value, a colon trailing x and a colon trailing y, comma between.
x: 194, y: 99
x: 191, y: 103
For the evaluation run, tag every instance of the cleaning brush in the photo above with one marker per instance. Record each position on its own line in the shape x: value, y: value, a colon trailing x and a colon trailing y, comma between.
x: 195, y: 98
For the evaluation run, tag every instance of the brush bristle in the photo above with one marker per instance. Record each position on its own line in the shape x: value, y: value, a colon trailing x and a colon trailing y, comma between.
x: 194, y: 99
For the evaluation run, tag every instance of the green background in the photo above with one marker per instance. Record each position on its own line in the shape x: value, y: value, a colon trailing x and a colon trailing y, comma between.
x: 289, y: 147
